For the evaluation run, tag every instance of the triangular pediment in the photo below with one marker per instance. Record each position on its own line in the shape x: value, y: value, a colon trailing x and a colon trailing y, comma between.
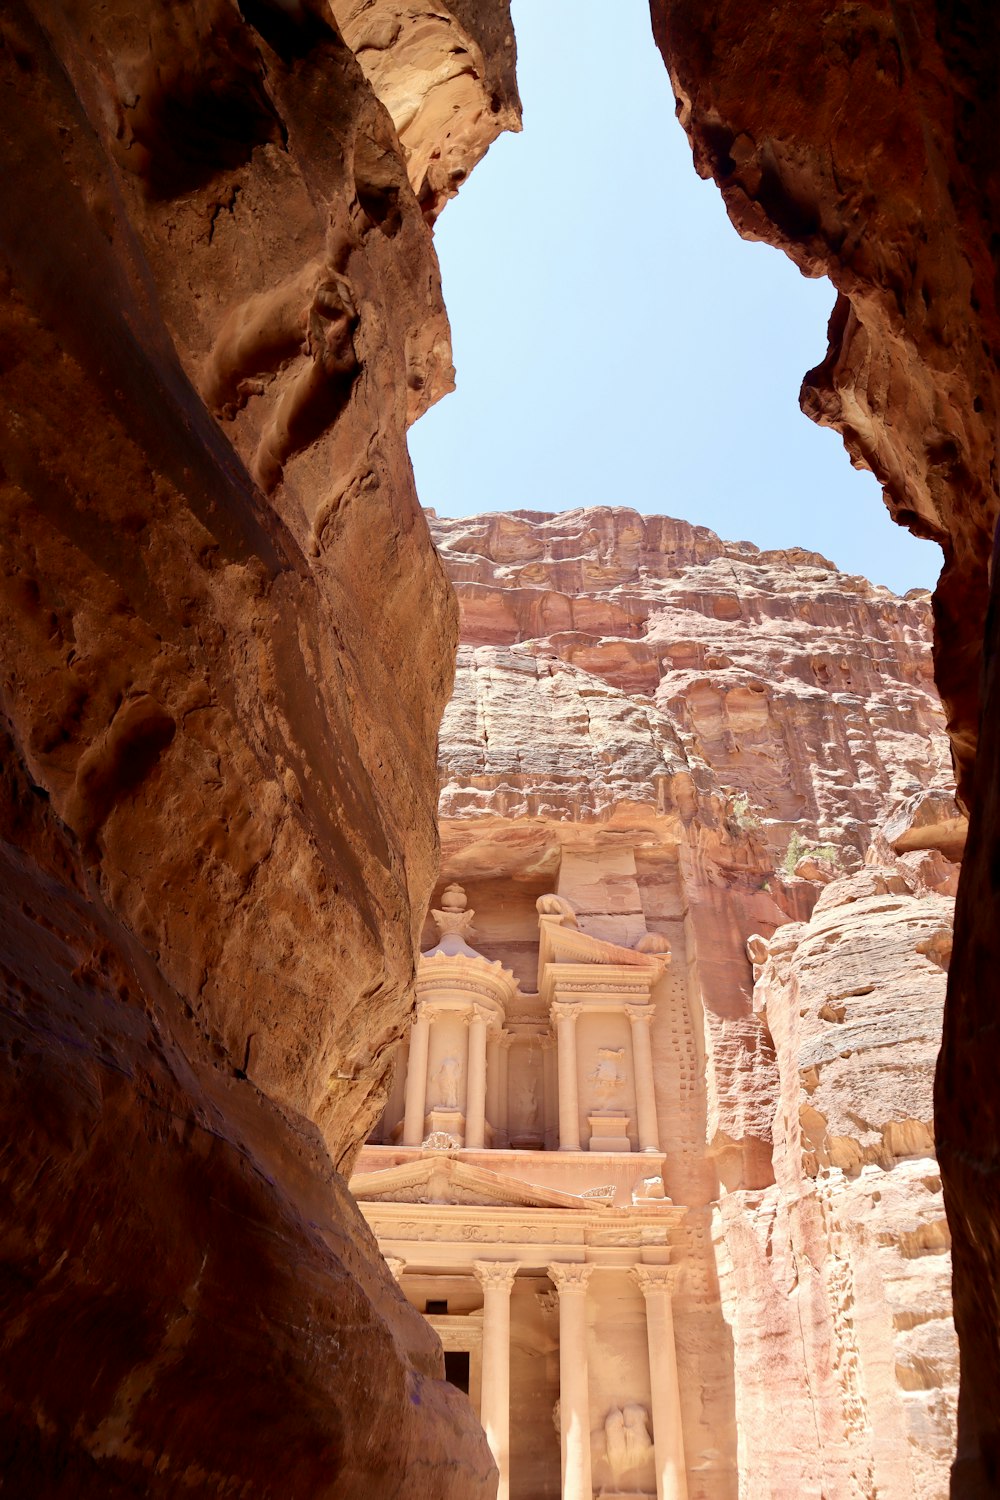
x: 441, y: 1178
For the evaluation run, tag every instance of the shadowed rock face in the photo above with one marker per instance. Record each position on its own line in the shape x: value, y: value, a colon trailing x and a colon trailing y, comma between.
x: 227, y: 646
x: 861, y: 139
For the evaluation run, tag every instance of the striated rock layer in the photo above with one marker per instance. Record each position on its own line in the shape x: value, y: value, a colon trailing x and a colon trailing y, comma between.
x: 740, y: 752
x: 861, y: 139
x: 221, y: 310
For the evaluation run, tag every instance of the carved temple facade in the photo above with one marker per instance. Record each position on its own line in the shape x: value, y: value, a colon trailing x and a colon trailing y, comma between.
x: 515, y: 1183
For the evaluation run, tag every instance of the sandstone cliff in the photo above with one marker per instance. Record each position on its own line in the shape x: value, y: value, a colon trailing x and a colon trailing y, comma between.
x: 221, y: 310
x: 727, y: 747
x: 861, y: 140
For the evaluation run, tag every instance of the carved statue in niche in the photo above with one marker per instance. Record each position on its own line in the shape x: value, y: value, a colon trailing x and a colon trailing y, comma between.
x: 638, y: 1443
x: 627, y: 1443
x: 529, y: 1101
x: 606, y: 1075
x: 446, y: 1081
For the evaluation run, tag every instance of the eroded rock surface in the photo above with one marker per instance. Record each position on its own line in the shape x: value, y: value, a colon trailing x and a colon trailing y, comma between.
x: 222, y: 308
x: 852, y: 1242
x: 805, y: 693
x: 860, y: 139
x: 446, y: 76
x: 740, y: 753
x: 837, y: 133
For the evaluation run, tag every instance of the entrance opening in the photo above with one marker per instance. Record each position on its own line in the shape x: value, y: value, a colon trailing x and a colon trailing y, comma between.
x: 456, y: 1368
x: 432, y: 1308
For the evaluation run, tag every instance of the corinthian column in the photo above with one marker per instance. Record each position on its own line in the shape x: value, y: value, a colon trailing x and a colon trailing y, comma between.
x: 641, y: 1019
x: 656, y: 1284
x: 493, y: 1082
x: 416, y: 1079
x: 502, y: 1123
x: 565, y: 1016
x: 475, y: 1084
x: 496, y: 1279
x: 550, y: 1092
x: 574, y: 1386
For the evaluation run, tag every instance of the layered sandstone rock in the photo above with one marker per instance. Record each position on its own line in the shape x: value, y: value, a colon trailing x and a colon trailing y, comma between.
x: 690, y: 738
x: 801, y: 697
x: 861, y: 139
x: 221, y: 310
x: 445, y: 75
x: 843, y: 1265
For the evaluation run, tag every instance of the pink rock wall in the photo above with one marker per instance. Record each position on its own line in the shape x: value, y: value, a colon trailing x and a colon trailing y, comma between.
x: 691, y: 737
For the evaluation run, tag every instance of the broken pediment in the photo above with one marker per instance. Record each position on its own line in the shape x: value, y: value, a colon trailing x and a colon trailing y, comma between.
x: 560, y: 940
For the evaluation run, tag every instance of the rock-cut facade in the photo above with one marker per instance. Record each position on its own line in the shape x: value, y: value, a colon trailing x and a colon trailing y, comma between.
x: 657, y: 1162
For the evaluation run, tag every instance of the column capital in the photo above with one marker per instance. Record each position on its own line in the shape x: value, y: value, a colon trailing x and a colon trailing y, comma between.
x: 565, y: 1010
x: 570, y: 1275
x: 651, y: 1279
x: 395, y: 1264
x: 424, y: 1011
x: 475, y: 1013
x: 496, y: 1273
x: 640, y: 1013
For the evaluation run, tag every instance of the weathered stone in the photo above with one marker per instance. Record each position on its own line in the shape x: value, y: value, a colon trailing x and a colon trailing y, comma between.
x: 445, y: 75
x: 861, y: 140
x: 217, y: 849
x: 800, y: 695
x: 928, y: 820
x: 680, y: 739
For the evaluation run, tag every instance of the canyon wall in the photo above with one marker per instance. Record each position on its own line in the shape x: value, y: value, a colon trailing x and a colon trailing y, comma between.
x: 861, y: 139
x: 221, y: 310
x: 740, y: 752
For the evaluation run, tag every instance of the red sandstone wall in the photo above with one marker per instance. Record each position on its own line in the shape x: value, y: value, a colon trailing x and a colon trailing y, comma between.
x: 861, y: 139
x: 221, y: 309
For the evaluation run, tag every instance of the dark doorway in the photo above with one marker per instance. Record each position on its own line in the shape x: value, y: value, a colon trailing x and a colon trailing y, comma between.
x: 456, y: 1368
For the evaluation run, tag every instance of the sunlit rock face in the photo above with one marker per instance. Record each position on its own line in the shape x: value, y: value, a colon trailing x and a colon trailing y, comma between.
x: 843, y: 1265
x: 446, y: 76
x: 862, y: 140
x: 227, y: 645
x: 742, y: 753
x: 806, y: 693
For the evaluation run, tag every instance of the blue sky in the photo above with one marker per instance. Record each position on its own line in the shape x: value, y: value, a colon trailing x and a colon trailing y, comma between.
x: 615, y: 341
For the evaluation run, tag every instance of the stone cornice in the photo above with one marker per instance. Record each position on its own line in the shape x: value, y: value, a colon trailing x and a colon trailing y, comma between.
x: 597, y: 986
